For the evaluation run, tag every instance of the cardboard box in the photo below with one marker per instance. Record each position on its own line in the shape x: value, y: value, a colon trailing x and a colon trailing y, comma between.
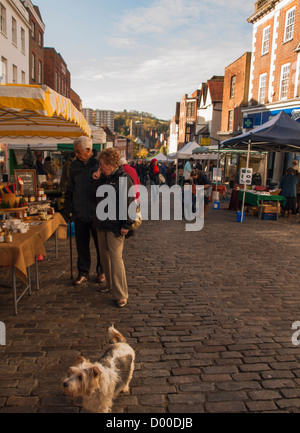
x: 270, y: 208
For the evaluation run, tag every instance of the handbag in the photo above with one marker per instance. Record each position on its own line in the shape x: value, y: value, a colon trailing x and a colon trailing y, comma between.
x: 138, y: 221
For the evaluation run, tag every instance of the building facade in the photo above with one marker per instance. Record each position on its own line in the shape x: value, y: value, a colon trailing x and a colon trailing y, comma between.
x: 36, y: 44
x: 275, y: 69
x: 137, y: 129
x: 105, y: 118
x: 56, y: 73
x: 209, y: 113
x: 100, y: 118
x: 235, y: 96
x: 187, y: 119
x: 89, y: 115
x: 14, y: 42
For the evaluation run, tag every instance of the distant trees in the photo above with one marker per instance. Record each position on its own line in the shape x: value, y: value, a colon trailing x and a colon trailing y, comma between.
x: 151, y: 123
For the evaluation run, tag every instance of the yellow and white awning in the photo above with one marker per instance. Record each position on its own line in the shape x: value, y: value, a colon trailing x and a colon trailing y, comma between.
x: 38, y: 111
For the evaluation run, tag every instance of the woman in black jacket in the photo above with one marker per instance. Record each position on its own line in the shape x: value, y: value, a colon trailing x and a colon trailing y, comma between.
x: 112, y: 229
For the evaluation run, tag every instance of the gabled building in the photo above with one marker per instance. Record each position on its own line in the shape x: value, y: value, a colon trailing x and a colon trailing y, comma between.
x: 56, y: 73
x: 36, y: 43
x: 275, y: 69
x: 209, y: 111
x: 235, y: 96
x: 187, y: 119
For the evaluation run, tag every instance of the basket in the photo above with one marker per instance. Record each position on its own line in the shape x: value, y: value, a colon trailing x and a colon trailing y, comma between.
x: 275, y: 192
x: 12, y: 199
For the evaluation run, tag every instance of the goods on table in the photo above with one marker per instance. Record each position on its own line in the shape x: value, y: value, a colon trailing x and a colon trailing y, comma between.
x: 16, y: 226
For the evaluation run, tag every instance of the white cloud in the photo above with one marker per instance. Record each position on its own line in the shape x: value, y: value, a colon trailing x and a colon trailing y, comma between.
x: 163, y: 51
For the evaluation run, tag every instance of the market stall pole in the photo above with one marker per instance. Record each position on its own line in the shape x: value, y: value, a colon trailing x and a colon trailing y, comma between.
x: 245, y: 185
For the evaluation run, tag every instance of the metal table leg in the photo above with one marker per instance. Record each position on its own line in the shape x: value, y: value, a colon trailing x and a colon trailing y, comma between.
x: 56, y: 245
x: 37, y: 274
x: 14, y: 284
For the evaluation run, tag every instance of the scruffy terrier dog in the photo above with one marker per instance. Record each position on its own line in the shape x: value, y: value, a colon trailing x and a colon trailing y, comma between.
x: 100, y: 383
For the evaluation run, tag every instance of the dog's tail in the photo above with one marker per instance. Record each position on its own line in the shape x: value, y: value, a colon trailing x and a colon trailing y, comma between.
x: 115, y: 336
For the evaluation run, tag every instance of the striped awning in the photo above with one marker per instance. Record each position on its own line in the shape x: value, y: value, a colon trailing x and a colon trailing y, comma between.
x: 38, y: 111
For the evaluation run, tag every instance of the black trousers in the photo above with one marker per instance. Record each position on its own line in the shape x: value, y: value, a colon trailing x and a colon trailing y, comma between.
x: 83, y: 232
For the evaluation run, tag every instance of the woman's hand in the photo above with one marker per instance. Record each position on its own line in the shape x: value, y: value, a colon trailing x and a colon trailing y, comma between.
x: 96, y: 175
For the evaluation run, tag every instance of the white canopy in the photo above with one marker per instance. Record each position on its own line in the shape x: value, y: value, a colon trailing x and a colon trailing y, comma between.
x: 187, y: 152
x: 160, y: 157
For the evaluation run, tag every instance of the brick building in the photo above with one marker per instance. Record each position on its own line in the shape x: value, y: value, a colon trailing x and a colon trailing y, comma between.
x: 36, y: 44
x: 275, y: 69
x: 56, y: 73
x: 76, y: 100
x: 209, y: 111
x: 235, y: 96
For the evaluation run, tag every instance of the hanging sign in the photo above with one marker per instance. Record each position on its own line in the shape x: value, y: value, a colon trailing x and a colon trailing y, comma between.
x: 246, y: 176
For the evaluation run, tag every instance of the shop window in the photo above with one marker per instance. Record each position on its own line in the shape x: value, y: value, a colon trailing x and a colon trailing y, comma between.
x: 40, y: 72
x: 3, y: 71
x: 262, y: 88
x: 33, y: 67
x: 2, y: 19
x: 32, y: 29
x: 23, y: 48
x: 232, y: 86
x: 15, y: 74
x: 14, y: 31
x: 284, y: 81
x: 289, y: 24
x: 266, y: 41
x: 230, y: 120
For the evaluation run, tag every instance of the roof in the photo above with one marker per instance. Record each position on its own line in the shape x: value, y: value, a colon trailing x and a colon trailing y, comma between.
x: 216, y: 89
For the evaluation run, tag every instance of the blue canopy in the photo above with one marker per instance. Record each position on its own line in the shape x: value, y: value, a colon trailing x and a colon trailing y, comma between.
x: 280, y: 133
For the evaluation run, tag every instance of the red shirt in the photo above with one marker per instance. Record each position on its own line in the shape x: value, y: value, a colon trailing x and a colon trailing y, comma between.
x: 133, y: 174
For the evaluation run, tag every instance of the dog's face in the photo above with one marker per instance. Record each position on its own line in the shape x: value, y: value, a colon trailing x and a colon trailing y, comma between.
x: 83, y: 378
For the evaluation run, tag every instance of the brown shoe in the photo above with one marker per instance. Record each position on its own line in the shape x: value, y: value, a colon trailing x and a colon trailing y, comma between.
x: 101, y: 278
x: 80, y: 280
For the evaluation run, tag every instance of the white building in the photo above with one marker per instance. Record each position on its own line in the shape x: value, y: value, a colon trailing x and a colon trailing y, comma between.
x: 173, y: 140
x: 14, y: 42
x: 100, y: 118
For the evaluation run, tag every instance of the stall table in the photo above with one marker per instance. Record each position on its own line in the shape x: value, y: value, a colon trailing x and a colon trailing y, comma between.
x: 23, y: 251
x: 253, y: 199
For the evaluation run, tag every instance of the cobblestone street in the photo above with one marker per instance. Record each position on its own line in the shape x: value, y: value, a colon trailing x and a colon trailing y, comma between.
x: 210, y: 317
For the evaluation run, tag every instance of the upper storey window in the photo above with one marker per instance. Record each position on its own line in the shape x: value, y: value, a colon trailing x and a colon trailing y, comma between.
x: 289, y: 24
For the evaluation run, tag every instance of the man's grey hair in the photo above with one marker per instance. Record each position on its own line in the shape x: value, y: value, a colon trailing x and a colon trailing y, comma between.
x: 84, y: 142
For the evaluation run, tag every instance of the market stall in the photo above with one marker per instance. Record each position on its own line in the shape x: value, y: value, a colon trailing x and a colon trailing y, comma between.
x: 37, y: 116
x: 280, y: 134
x: 21, y: 252
x: 31, y: 115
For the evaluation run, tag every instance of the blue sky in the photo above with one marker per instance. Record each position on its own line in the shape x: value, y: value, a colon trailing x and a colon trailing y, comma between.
x: 145, y: 55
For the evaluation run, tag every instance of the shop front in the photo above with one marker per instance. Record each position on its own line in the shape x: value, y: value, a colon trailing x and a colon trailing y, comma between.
x: 255, y: 116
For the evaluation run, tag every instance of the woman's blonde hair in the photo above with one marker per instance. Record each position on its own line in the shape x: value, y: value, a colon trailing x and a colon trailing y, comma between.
x: 111, y: 156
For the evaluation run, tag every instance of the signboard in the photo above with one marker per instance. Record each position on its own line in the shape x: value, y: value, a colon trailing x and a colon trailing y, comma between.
x: 248, y: 123
x: 217, y: 174
x: 29, y: 179
x: 246, y: 176
x: 205, y: 141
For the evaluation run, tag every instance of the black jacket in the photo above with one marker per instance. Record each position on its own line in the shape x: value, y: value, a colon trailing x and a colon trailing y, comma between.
x: 78, y: 200
x: 116, y: 225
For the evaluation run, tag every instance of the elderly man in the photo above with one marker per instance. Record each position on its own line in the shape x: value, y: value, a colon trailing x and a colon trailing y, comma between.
x: 79, y: 203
